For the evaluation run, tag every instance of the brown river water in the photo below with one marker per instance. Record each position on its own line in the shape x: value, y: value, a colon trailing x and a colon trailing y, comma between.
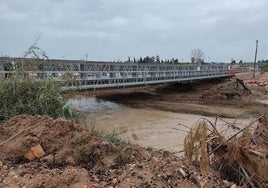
x: 149, y: 128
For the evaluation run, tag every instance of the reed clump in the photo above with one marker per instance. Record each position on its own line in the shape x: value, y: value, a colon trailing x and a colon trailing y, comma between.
x: 241, y: 157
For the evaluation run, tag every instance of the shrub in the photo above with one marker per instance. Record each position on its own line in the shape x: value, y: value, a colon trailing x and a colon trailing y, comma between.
x: 25, y: 96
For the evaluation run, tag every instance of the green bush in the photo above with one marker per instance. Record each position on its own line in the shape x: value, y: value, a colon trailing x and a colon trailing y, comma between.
x: 29, y: 97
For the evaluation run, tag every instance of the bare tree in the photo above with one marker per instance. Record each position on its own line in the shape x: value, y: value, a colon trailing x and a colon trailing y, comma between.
x: 36, y: 55
x: 34, y: 51
x: 197, y: 56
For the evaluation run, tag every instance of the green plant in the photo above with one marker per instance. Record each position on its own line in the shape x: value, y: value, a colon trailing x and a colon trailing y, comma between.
x: 114, y: 138
x: 79, y: 140
x: 25, y: 96
x: 124, y: 155
x: 82, y: 154
x: 149, y: 148
x: 69, y: 79
x: 96, y: 132
x: 67, y: 111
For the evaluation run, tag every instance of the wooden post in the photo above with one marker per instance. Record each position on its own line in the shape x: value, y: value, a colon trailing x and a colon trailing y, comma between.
x: 255, y: 59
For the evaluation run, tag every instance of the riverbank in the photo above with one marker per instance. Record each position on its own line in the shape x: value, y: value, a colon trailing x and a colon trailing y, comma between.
x: 220, y: 97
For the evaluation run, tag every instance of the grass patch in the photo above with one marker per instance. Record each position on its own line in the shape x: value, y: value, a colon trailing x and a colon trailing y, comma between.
x: 124, y: 155
x: 149, y: 148
x: 114, y: 138
x: 96, y: 132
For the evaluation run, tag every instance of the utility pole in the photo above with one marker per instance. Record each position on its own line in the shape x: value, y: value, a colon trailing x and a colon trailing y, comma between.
x: 255, y: 59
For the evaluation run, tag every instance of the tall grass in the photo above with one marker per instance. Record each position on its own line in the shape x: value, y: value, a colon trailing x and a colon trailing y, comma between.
x: 26, y: 96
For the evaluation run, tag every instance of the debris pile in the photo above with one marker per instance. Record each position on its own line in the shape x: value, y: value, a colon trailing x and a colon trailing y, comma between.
x: 239, y: 155
x: 233, y: 89
x: 260, y: 80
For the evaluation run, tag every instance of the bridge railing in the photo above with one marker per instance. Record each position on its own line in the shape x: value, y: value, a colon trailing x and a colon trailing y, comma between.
x: 117, y: 75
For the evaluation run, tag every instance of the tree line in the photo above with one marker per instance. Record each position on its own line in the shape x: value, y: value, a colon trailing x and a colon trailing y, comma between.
x: 197, y: 57
x: 152, y: 59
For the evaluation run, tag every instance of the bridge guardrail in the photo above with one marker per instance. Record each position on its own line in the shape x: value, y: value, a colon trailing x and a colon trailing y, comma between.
x: 114, y: 75
x: 100, y: 79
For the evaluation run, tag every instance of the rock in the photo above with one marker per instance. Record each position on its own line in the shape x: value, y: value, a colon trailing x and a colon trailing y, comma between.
x: 48, y: 159
x: 226, y: 183
x: 1, y: 164
x: 80, y: 186
x: 202, y: 184
x: 95, y: 178
x: 233, y: 186
x: 36, y: 151
x: 114, y: 181
x: 12, y: 173
x: 29, y: 155
x: 70, y: 160
x: 21, y: 184
x: 183, y: 173
x: 20, y: 166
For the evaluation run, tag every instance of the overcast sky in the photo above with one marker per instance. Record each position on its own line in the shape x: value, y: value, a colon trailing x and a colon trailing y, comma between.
x: 116, y: 29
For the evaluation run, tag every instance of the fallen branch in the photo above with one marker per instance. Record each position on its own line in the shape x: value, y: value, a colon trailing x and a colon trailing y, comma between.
x: 241, y: 130
x: 247, y: 177
x: 214, y: 125
x: 231, y: 124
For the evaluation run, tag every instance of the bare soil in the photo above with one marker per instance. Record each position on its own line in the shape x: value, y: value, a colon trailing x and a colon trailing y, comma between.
x: 75, y: 157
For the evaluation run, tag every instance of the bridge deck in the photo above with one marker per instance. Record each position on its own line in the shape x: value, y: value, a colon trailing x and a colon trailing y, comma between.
x: 88, y: 75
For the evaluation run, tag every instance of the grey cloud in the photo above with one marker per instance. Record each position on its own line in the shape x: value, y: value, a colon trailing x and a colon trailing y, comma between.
x: 109, y: 30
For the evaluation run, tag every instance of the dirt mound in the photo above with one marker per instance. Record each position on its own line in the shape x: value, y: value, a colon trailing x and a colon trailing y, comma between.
x: 225, y: 91
x: 74, y: 157
x: 29, y: 131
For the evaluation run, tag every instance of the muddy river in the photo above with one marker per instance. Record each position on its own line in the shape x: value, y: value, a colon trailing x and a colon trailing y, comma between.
x: 149, y: 128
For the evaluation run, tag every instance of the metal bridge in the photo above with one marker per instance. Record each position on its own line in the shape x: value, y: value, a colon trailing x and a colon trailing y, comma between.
x: 91, y: 75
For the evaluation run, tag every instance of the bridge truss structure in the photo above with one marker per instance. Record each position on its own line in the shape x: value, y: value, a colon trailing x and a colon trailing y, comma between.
x: 91, y: 75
